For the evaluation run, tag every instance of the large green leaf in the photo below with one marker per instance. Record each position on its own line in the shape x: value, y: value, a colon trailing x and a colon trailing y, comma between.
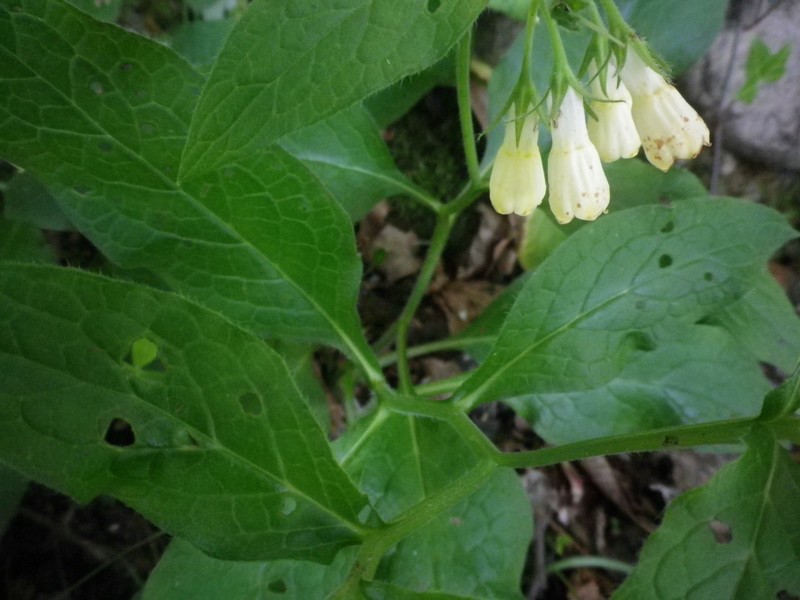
x: 617, y: 311
x: 737, y: 537
x: 185, y: 573
x: 289, y: 64
x: 397, y: 460
x: 476, y: 549
x: 347, y: 153
x: 115, y: 388
x: 681, y: 31
x: 261, y: 241
x: 21, y: 241
x: 27, y: 199
x: 667, y: 375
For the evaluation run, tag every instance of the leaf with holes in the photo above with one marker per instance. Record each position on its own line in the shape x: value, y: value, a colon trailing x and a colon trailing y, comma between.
x: 260, y: 241
x: 737, y: 537
x: 287, y: 65
x: 680, y: 31
x: 185, y: 573
x: 115, y: 388
x: 614, y: 332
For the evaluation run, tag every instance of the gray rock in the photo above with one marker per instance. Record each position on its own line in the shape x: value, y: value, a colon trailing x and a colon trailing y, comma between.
x: 768, y: 130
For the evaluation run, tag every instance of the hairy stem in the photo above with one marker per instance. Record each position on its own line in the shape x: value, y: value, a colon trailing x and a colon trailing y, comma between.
x: 465, y: 107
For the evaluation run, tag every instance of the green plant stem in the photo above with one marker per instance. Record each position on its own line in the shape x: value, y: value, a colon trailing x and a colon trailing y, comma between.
x: 671, y: 438
x: 465, y: 107
x: 420, y: 195
x: 562, y: 72
x: 444, y: 386
x: 438, y: 241
x: 445, y: 220
x: 590, y: 562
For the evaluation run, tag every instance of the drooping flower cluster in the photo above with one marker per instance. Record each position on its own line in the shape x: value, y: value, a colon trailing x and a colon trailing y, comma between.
x: 634, y: 107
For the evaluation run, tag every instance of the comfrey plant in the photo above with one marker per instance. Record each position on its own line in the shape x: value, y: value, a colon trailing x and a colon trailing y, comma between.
x: 222, y: 189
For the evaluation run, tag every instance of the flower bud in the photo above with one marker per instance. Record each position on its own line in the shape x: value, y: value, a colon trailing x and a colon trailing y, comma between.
x: 668, y: 126
x: 517, y: 183
x: 578, y: 185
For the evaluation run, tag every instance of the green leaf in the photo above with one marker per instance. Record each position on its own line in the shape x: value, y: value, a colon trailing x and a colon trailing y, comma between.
x: 479, y: 336
x: 21, y: 241
x: 661, y: 376
x: 299, y: 358
x: 200, y: 42
x: 347, y: 154
x: 680, y: 31
x: 737, y: 537
x: 185, y: 573
x: 391, y: 103
x: 762, y: 67
x: 612, y: 314
x: 286, y: 66
x: 26, y: 199
x: 764, y: 323
x: 636, y: 183
x: 210, y: 440
x: 477, y: 549
x: 379, y: 590
x: 260, y: 241
x: 398, y: 460
x: 104, y: 10
x: 632, y: 182
x: 783, y: 401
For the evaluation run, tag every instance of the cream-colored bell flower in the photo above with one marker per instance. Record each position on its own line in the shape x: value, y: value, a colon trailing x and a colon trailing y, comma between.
x: 517, y: 184
x: 668, y: 126
x: 613, y: 132
x: 578, y: 185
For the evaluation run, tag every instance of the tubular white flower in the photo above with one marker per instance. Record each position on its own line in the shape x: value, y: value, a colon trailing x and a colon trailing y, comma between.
x: 578, y: 185
x: 517, y: 184
x: 668, y: 126
x: 613, y: 133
